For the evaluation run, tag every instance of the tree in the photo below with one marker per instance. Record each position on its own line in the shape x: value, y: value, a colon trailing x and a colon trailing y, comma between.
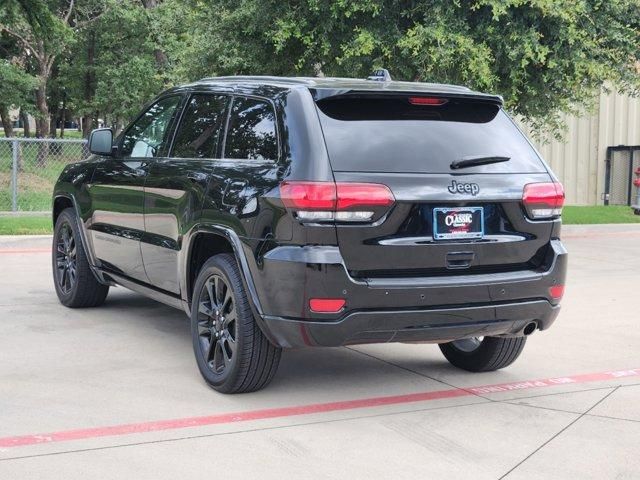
x: 545, y: 57
x: 42, y: 28
x: 17, y: 87
x: 118, y: 61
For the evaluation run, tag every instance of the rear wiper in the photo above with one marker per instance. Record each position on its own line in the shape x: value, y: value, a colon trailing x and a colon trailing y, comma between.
x: 480, y: 160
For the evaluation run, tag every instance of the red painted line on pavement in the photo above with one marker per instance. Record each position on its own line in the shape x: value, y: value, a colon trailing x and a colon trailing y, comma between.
x: 25, y: 250
x: 225, y: 418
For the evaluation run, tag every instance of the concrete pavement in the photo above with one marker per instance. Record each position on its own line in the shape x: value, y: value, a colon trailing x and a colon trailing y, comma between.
x: 101, y: 375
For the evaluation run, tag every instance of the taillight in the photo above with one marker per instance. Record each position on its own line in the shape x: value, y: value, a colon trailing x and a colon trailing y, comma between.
x: 430, y: 101
x: 543, y: 200
x: 339, y: 202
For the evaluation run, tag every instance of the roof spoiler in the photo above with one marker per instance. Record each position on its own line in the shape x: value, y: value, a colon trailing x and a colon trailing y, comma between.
x: 325, y: 93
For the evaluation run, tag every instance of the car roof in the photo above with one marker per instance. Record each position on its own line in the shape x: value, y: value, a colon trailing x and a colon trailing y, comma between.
x: 325, y: 87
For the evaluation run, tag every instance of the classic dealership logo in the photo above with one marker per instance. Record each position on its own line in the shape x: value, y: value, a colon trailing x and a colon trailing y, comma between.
x: 458, y: 219
x: 459, y: 187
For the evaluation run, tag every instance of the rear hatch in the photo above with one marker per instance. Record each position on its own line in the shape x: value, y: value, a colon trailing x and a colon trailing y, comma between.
x: 452, y: 214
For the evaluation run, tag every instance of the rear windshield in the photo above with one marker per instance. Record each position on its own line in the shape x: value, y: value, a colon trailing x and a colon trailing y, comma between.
x: 397, y: 134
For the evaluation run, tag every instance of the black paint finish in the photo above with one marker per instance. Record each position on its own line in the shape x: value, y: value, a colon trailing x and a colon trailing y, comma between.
x: 142, y: 219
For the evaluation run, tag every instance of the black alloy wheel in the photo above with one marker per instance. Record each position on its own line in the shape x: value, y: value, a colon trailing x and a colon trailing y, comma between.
x: 75, y: 283
x: 66, y: 271
x: 217, y: 325
x: 232, y: 353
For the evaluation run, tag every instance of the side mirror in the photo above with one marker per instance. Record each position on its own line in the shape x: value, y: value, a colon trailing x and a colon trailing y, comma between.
x: 101, y: 141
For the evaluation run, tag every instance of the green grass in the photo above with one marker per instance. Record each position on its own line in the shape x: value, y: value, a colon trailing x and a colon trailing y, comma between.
x: 598, y: 214
x: 40, y: 167
x: 27, y: 225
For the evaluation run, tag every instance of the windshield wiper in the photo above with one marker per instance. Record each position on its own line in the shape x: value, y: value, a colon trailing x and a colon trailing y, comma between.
x: 475, y: 161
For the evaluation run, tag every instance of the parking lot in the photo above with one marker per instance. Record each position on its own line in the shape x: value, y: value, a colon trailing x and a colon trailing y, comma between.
x: 114, y: 392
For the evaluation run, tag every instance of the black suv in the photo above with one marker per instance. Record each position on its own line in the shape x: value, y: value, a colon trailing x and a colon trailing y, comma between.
x: 294, y: 212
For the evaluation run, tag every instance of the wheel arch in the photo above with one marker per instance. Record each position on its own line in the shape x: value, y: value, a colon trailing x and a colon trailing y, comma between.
x: 60, y: 203
x: 203, y: 242
x: 63, y: 201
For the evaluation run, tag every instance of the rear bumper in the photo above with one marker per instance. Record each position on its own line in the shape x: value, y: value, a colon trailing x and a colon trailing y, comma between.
x: 431, y: 309
x: 433, y: 325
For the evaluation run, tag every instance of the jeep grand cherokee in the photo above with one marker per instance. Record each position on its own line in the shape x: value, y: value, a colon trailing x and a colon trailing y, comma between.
x: 295, y: 212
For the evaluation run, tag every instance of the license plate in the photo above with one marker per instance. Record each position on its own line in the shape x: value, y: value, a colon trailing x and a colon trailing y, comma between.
x: 458, y: 223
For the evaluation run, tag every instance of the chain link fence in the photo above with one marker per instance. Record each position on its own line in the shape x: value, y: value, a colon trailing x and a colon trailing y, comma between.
x: 29, y: 168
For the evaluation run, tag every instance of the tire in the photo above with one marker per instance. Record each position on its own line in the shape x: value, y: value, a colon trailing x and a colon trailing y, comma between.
x: 232, y: 353
x: 487, y: 355
x: 75, y: 283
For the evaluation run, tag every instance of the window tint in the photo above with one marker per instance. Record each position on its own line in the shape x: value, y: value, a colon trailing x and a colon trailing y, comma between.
x: 147, y: 136
x: 251, y: 134
x: 369, y: 134
x: 199, y: 129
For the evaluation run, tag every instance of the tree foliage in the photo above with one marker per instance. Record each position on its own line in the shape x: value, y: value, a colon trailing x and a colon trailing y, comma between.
x: 108, y: 57
x: 42, y: 29
x: 17, y: 87
x: 545, y: 57
x: 111, y: 65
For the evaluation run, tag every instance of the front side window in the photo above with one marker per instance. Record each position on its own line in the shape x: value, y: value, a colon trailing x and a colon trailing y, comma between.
x: 251, y: 134
x: 148, y: 135
x: 199, y: 129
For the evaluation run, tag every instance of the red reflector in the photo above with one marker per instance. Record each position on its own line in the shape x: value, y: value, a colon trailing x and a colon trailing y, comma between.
x: 326, y: 305
x: 363, y: 194
x: 433, y: 101
x: 556, y: 292
x: 330, y: 196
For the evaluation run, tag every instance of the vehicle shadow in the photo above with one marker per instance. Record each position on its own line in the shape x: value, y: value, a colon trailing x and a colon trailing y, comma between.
x: 300, y: 370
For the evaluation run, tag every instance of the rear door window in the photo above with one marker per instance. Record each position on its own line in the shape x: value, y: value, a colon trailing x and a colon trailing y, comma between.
x: 391, y: 134
x: 199, y: 130
x: 251, y: 133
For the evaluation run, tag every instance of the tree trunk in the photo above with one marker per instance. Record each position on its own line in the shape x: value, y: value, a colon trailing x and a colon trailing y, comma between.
x: 24, y: 119
x: 42, y: 120
x: 63, y: 114
x: 119, y: 126
x: 52, y: 124
x: 89, y: 83
x: 7, y: 125
x: 86, y: 126
x: 161, y: 57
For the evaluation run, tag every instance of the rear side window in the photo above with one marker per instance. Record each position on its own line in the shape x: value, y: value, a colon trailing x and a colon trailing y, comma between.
x: 392, y: 134
x: 251, y: 134
x: 197, y: 136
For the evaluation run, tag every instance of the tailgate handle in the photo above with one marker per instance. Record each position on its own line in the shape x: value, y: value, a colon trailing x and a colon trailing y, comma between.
x: 459, y: 260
